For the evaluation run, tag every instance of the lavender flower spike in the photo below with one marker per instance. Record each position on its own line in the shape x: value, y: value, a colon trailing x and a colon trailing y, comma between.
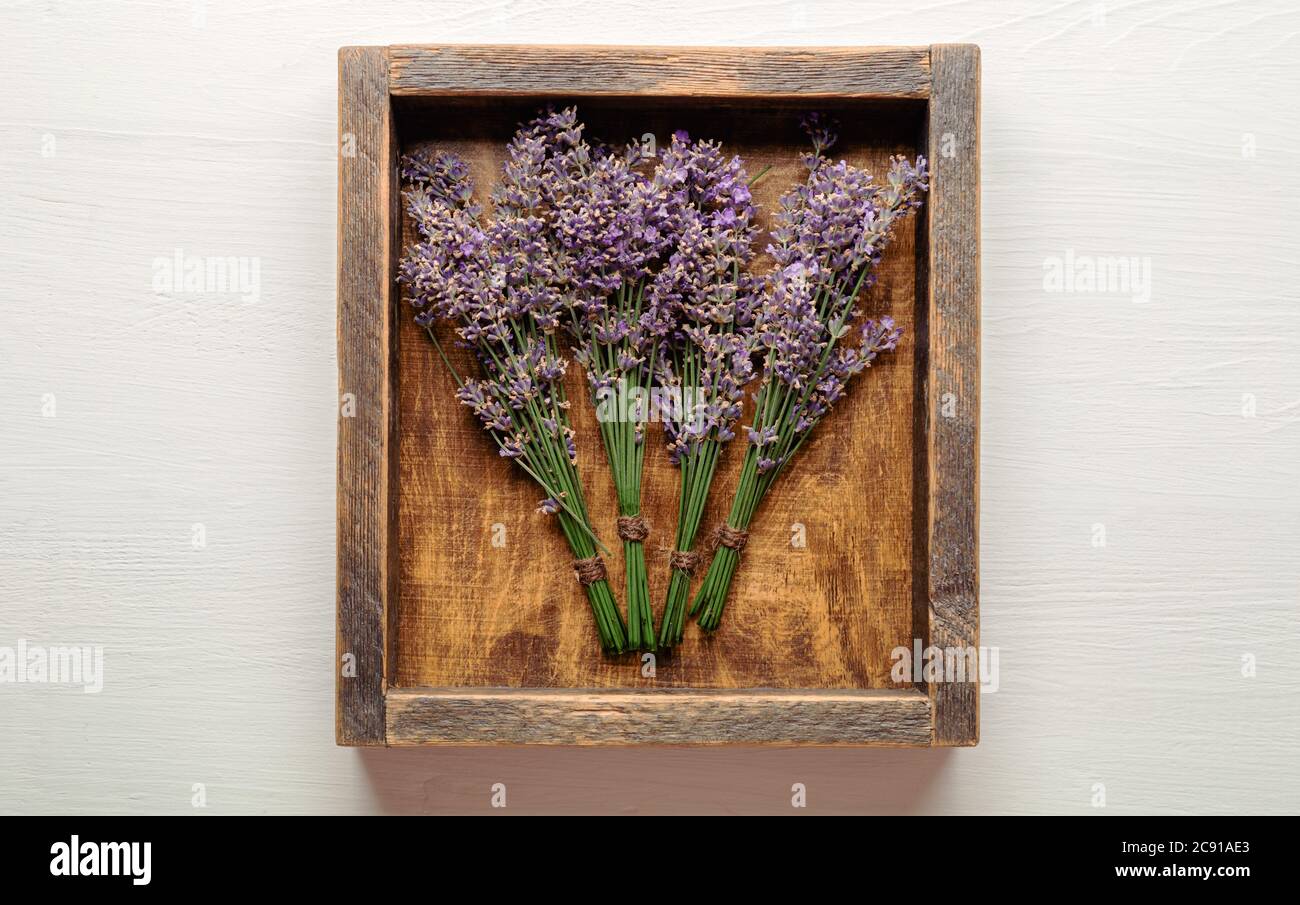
x: 702, y: 301
x: 499, y: 284
x: 829, y: 235
x: 615, y: 226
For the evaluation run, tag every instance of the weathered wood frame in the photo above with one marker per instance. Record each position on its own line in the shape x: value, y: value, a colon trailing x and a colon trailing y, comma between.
x: 946, y: 541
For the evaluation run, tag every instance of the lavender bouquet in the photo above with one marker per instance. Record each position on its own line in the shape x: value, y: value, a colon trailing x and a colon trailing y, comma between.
x: 615, y: 224
x: 830, y: 233
x: 502, y: 284
x: 702, y: 301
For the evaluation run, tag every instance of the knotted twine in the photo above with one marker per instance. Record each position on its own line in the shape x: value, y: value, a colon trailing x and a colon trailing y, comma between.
x: 633, y: 527
x: 590, y: 570
x: 684, y: 561
x: 726, y: 536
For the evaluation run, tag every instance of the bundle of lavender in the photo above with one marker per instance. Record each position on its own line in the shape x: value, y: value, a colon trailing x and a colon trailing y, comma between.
x: 830, y: 233
x: 502, y: 284
x: 615, y: 225
x: 702, y: 300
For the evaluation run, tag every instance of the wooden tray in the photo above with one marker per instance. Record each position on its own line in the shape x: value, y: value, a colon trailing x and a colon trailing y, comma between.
x: 459, y: 620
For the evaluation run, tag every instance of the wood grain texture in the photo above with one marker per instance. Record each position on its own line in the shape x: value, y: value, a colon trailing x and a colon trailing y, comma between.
x: 1121, y: 664
x: 366, y: 497
x: 585, y: 71
x: 827, y: 614
x: 952, y: 382
x: 576, y: 717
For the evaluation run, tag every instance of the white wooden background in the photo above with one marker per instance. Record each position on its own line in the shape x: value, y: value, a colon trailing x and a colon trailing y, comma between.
x: 1163, y: 130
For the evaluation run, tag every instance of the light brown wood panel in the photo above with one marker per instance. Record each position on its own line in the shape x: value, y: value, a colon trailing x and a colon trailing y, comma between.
x: 466, y: 716
x: 827, y: 615
x: 679, y: 72
x: 367, y: 560
x: 950, y: 575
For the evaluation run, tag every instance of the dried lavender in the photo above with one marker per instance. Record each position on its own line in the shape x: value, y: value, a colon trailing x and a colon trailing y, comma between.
x: 702, y: 301
x: 829, y: 235
x: 615, y: 224
x: 500, y: 283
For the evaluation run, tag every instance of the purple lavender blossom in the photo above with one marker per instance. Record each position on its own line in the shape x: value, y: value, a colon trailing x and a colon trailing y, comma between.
x: 498, y: 282
x: 444, y: 177
x: 612, y: 225
x: 829, y: 234
x: 503, y: 285
x: 701, y: 301
x: 700, y: 307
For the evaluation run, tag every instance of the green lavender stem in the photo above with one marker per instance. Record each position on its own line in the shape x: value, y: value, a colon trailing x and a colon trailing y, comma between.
x: 624, y: 445
x: 546, y: 462
x: 609, y: 624
x: 712, y: 596
x: 777, y: 405
x: 640, y: 622
x: 698, y: 468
